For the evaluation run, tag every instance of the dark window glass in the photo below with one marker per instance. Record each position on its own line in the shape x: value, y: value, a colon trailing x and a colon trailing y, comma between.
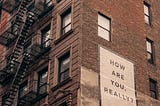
x: 0, y: 13
x: 23, y: 89
x: 153, y: 88
x: 63, y: 104
x: 149, y: 45
x: 27, y: 45
x: 42, y: 81
x: 4, y: 97
x: 66, y: 21
x: 48, y: 3
x: 64, y: 66
x: 8, y: 58
x: 46, y: 36
x: 14, y: 29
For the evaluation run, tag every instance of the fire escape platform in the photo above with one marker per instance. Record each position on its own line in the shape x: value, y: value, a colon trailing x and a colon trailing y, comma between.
x: 10, y: 5
x: 19, y: 61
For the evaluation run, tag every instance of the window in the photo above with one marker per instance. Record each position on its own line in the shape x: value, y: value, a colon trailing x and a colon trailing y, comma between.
x: 149, y: 44
x: 27, y: 45
x: 66, y: 21
x: 147, y: 13
x: 23, y: 89
x: 153, y: 88
x: 63, y: 104
x: 104, y: 27
x: 42, y: 81
x: 48, y: 3
x: 46, y: 36
x: 0, y: 12
x: 4, y: 97
x: 14, y: 29
x: 64, y: 66
x: 58, y: 1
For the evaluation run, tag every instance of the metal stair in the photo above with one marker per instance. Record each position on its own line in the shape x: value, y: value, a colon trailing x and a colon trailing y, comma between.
x: 18, y: 66
x: 18, y: 24
x: 17, y: 80
x: 15, y: 60
x: 17, y: 52
x: 19, y: 20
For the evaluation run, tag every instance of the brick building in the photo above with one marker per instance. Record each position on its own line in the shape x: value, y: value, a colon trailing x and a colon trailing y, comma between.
x: 79, y: 53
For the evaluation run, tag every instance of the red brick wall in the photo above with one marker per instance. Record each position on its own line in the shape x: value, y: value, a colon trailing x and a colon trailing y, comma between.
x: 128, y: 37
x: 3, y: 22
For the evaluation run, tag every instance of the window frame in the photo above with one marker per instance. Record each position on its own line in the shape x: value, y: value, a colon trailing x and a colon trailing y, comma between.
x: 47, y: 3
x: 62, y: 16
x: 4, y: 97
x: 155, y: 91
x: 24, y: 84
x: 108, y: 30
x: 149, y: 13
x: 63, y: 57
x: 151, y: 60
x: 63, y: 104
x: 1, y: 11
x: 39, y: 85
x: 44, y: 31
x: 27, y: 45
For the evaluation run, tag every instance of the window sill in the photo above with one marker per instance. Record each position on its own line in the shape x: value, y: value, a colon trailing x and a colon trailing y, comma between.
x: 58, y: 1
x: 151, y: 62
x: 60, y: 84
x: 45, y: 11
x: 63, y: 36
x: 40, y: 97
x: 148, y: 25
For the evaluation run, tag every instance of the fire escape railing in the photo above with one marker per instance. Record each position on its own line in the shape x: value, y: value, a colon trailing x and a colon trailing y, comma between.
x: 37, y: 49
x: 23, y: 26
x: 9, y: 29
x: 14, y: 58
x: 33, y: 94
x: 20, y: 27
x: 10, y: 5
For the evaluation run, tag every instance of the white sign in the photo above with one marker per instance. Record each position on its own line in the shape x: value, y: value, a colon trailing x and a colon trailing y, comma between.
x: 117, y: 83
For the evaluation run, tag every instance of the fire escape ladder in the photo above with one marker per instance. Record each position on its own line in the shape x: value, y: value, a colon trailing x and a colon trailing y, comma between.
x: 16, y: 65
x: 18, y: 22
x: 17, y: 80
x: 24, y: 64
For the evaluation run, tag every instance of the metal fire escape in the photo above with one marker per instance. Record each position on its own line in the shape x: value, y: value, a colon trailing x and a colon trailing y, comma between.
x: 22, y: 30
x: 15, y: 61
x: 19, y: 61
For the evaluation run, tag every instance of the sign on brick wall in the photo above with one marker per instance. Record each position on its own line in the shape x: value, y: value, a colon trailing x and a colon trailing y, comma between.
x: 117, y: 85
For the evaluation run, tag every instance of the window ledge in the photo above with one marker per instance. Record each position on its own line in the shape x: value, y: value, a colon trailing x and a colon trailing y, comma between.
x: 63, y: 36
x: 58, y: 1
x: 39, y: 97
x: 60, y: 84
x: 152, y: 63
x: 148, y: 25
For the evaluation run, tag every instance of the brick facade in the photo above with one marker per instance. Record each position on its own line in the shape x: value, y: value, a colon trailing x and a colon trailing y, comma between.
x: 128, y: 39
